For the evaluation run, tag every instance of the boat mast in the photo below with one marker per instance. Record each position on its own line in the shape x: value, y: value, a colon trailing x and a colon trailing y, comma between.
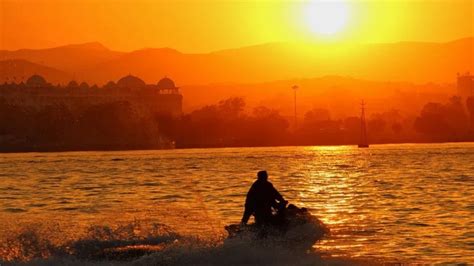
x: 363, y: 143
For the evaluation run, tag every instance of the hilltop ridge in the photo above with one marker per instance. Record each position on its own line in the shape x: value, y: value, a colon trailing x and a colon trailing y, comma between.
x: 418, y: 62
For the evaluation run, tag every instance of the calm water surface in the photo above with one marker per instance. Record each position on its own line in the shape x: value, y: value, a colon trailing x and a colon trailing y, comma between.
x: 403, y: 202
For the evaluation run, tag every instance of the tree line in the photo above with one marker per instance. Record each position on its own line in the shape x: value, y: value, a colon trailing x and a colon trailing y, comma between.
x: 228, y: 123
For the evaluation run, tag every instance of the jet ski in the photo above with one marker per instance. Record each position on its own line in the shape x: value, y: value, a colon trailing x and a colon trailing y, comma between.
x: 291, y: 226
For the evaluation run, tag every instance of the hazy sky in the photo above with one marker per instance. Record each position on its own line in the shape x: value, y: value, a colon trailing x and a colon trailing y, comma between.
x: 202, y: 26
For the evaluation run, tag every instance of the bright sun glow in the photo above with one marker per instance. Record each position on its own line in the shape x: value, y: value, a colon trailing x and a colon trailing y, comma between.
x: 326, y: 17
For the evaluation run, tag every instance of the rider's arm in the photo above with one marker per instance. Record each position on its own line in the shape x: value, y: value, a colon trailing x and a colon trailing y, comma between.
x: 277, y: 195
x: 249, y: 206
x: 246, y: 216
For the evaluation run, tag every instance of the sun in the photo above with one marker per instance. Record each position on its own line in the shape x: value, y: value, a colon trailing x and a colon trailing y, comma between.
x: 326, y: 17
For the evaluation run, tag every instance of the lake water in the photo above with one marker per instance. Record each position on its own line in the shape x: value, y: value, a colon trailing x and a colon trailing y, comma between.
x: 409, y: 203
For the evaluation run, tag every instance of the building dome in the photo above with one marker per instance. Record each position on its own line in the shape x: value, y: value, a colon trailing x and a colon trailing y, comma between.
x: 166, y: 84
x: 131, y: 82
x: 84, y: 85
x: 72, y: 84
x: 36, y: 81
x: 110, y: 85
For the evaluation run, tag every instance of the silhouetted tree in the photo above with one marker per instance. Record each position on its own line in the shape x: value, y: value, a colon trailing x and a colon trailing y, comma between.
x: 118, y: 125
x: 397, y: 128
x: 470, y: 109
x: 457, y: 117
x: 266, y: 127
x: 351, y: 128
x: 432, y: 123
x: 318, y: 128
x: 316, y: 115
x: 440, y: 122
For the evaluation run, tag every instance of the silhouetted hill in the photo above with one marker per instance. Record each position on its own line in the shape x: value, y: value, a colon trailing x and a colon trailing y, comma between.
x: 20, y: 70
x: 152, y: 64
x: 406, y: 61
x: 70, y: 58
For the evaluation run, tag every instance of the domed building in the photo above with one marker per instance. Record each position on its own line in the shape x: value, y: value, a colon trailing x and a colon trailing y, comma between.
x: 131, y: 82
x: 36, y: 81
x: 84, y: 85
x: 167, y: 85
x: 145, y: 99
x: 72, y: 84
x: 110, y: 85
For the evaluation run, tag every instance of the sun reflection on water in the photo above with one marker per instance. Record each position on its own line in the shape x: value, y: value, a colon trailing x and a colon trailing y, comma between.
x: 378, y: 202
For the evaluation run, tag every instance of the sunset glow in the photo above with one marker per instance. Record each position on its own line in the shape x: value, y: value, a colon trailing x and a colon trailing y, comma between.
x: 236, y: 132
x: 325, y: 17
x: 204, y: 26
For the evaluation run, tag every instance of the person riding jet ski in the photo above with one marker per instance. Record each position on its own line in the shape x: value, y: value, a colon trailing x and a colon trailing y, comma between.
x: 274, y: 219
x: 260, y: 200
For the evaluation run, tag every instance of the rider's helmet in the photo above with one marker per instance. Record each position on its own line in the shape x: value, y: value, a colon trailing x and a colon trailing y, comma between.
x: 262, y: 175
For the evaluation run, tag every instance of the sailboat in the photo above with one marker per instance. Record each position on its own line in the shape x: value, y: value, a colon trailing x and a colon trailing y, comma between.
x: 363, y: 142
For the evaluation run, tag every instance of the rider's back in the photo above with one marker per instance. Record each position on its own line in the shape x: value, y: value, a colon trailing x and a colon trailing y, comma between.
x: 260, y: 199
x: 262, y: 196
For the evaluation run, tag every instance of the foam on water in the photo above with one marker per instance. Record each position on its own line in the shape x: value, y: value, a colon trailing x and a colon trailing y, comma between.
x: 138, y: 243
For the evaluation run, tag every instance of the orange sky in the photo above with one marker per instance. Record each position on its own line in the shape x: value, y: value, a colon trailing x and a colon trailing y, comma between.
x: 201, y: 26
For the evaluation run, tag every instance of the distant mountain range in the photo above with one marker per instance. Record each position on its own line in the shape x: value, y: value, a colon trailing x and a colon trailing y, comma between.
x: 398, y: 75
x: 18, y: 70
x: 69, y: 58
x: 92, y: 62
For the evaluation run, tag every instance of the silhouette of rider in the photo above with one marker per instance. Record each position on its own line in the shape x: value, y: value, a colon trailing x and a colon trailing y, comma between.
x: 261, y: 197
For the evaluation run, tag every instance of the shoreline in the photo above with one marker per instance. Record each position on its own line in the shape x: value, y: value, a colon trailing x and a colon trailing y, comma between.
x: 48, y: 150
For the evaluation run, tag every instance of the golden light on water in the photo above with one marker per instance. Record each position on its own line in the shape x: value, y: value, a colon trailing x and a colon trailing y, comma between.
x: 371, y: 204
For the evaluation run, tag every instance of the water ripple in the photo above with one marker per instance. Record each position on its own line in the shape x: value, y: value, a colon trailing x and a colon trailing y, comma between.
x: 415, y: 201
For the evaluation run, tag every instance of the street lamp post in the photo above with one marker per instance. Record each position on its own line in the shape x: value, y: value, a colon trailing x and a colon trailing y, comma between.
x: 295, y: 88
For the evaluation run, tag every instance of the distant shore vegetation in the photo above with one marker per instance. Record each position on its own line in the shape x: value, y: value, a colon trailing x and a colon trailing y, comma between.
x: 228, y: 123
